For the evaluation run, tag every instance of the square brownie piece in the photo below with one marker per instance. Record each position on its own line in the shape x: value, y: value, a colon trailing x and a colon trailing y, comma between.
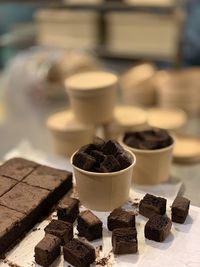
x: 151, y: 205
x: 89, y: 225
x: 84, y: 161
x: 78, y: 253
x: 47, y: 177
x: 124, y: 240
x: 157, y: 228
x: 120, y: 218
x: 24, y: 198
x: 47, y: 250
x: 6, y: 184
x: 17, y: 168
x: 180, y: 208
x: 61, y: 229
x: 68, y: 209
x: 11, y: 227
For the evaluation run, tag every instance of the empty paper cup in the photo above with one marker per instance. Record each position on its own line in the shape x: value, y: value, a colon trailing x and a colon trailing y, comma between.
x: 92, y: 96
x: 104, y: 191
x: 153, y: 166
x: 68, y: 134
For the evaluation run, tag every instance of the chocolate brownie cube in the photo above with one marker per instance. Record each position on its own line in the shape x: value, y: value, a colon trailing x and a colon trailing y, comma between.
x: 79, y: 253
x: 17, y: 168
x: 98, y: 142
x: 98, y: 155
x: 87, y: 148
x: 120, y: 218
x: 124, y: 240
x: 68, y: 209
x: 112, y: 147
x: 61, y: 229
x: 180, y: 208
x: 47, y: 250
x: 83, y: 161
x: 124, y: 160
x: 151, y: 205
x: 110, y: 164
x: 157, y: 228
x: 89, y: 225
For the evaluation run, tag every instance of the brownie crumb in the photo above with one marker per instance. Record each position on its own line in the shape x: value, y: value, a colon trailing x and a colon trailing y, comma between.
x: 105, y: 261
x: 10, y: 263
x: 35, y: 229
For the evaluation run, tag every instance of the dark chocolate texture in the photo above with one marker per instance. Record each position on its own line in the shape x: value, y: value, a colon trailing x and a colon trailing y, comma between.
x: 158, y: 228
x: 124, y: 240
x: 79, y: 253
x: 21, y: 204
x: 89, y: 225
x: 47, y: 250
x: 151, y: 205
x: 180, y: 209
x: 61, y: 229
x: 148, y: 139
x: 120, y: 218
x: 68, y: 209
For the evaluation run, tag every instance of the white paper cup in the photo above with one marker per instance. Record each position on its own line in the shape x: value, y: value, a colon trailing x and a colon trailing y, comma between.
x: 104, y: 191
x: 68, y: 134
x: 92, y: 96
x: 153, y: 166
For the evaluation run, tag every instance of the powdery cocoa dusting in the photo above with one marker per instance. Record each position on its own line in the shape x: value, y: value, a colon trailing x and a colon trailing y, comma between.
x: 10, y: 263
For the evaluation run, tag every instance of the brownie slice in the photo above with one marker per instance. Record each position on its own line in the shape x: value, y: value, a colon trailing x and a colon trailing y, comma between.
x: 17, y: 168
x: 47, y: 250
x: 112, y: 147
x: 120, y: 218
x: 84, y: 161
x: 6, y: 184
x: 89, y: 225
x: 124, y: 240
x: 151, y: 205
x: 180, y: 208
x: 68, y: 209
x: 78, y: 253
x: 157, y: 228
x: 12, y: 225
x: 61, y: 229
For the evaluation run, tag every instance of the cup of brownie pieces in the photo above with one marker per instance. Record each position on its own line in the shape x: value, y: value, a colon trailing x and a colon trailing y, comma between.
x: 103, y: 173
x: 92, y: 96
x: 153, y: 150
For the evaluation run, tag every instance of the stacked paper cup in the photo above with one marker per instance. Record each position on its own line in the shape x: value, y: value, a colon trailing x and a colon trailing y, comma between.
x: 136, y: 86
x: 179, y: 90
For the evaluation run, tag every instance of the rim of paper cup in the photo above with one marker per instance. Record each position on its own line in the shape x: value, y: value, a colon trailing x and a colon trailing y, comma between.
x: 148, y: 151
x: 101, y: 174
x: 70, y: 88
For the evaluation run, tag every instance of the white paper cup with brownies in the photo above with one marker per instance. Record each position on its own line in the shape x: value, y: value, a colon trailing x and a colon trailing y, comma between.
x: 103, y: 173
x: 153, y: 150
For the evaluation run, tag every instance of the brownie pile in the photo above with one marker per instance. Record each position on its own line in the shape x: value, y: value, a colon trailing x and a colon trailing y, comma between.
x: 149, y: 139
x: 102, y: 157
x: 27, y: 193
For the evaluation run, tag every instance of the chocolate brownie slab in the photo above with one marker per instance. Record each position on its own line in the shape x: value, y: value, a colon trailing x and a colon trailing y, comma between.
x: 24, y: 198
x: 89, y: 225
x: 6, y: 184
x: 11, y: 227
x: 180, y: 208
x: 54, y: 180
x: 61, y: 229
x: 157, y: 228
x: 47, y: 250
x: 124, y: 240
x: 78, y: 253
x: 17, y: 168
x: 68, y: 209
x: 151, y: 205
x: 120, y: 218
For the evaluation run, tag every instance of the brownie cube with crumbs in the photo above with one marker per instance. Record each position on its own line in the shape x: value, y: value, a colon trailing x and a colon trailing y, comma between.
x: 120, y: 218
x: 180, y: 208
x: 68, y: 209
